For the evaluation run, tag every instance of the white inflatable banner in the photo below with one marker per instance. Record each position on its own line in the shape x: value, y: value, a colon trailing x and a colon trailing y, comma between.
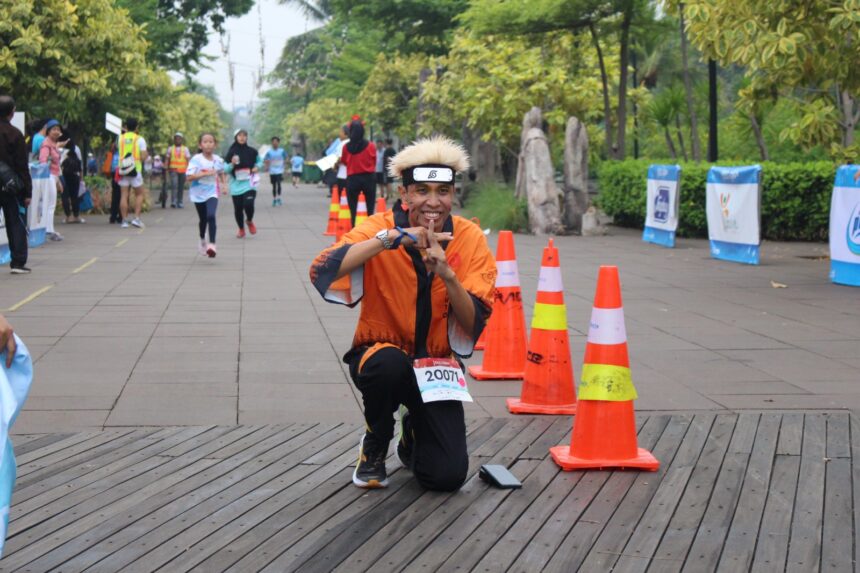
x: 37, y: 214
x: 661, y: 216
x: 733, y: 205
x: 5, y: 256
x: 845, y: 227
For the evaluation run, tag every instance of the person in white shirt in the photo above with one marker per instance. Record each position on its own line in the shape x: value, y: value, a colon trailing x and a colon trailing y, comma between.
x: 206, y: 173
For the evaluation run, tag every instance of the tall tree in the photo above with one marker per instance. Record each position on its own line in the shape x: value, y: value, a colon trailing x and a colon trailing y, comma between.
x: 688, y: 89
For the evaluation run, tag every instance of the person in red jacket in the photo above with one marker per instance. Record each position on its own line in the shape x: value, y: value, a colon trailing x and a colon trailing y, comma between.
x: 359, y: 156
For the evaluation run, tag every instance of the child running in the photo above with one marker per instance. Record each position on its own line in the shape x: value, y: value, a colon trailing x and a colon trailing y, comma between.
x: 275, y: 159
x: 297, y: 164
x: 204, y: 169
x: 243, y: 163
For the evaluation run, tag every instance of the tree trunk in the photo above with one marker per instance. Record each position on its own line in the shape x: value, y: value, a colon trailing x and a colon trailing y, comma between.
x: 759, y: 138
x: 604, y: 82
x: 688, y: 89
x: 669, y: 143
x: 680, y: 137
x: 423, y: 76
x: 536, y: 174
x: 624, y: 60
x: 851, y: 117
x: 531, y: 120
x: 575, y: 174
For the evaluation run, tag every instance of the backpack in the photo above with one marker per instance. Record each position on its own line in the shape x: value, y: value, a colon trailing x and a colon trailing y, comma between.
x: 127, y: 166
x: 10, y: 182
x: 71, y: 164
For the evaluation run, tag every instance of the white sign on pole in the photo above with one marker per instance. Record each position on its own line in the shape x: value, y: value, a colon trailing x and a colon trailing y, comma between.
x: 661, y: 213
x: 845, y: 227
x: 113, y: 124
x: 733, y: 206
x: 19, y: 120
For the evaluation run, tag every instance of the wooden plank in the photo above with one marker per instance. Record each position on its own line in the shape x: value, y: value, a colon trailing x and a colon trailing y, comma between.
x: 41, y: 441
x: 327, y: 550
x: 109, y: 498
x: 837, y: 534
x: 280, y: 482
x: 59, y: 445
x: 679, y: 536
x: 804, y: 546
x: 111, y: 536
x: 435, y: 509
x: 838, y: 440
x: 79, y: 450
x: 739, y: 548
x: 592, y: 495
x: 615, y: 531
x: 396, y: 553
x: 772, y: 548
x: 790, y: 435
x: 640, y: 548
x: 558, y: 433
x: 273, y: 538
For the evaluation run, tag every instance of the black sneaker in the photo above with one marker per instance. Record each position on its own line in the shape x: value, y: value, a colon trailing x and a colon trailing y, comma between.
x: 407, y: 439
x: 20, y: 270
x: 370, y: 470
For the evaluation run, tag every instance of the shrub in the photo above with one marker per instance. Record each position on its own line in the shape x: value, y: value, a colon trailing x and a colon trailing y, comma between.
x: 497, y: 208
x: 795, y: 197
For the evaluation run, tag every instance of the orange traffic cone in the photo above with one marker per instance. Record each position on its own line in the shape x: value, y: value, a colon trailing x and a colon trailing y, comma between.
x: 380, y: 205
x: 548, y: 382
x: 344, y: 223
x: 604, y: 429
x: 333, y: 210
x: 505, y: 354
x: 361, y: 210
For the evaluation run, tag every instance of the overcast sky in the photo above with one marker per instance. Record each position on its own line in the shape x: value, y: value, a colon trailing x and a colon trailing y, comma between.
x: 279, y: 23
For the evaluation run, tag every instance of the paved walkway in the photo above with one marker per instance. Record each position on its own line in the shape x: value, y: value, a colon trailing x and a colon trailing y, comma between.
x: 136, y: 329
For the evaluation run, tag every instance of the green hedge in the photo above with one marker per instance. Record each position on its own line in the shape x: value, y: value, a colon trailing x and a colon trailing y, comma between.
x: 795, y: 197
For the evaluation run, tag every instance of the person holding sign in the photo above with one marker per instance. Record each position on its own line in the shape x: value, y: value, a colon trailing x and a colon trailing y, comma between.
x: 425, y: 281
x: 242, y: 164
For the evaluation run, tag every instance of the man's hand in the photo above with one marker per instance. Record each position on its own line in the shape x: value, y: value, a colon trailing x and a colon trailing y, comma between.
x: 422, y: 236
x: 434, y: 257
x: 7, y: 340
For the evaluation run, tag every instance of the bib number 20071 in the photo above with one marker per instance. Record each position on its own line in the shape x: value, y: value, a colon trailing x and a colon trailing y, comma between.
x: 441, y: 379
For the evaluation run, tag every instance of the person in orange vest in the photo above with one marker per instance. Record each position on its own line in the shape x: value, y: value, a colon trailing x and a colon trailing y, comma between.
x: 423, y: 307
x: 177, y: 164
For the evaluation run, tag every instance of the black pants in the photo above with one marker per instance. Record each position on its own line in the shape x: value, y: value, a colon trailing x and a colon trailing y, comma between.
x: 206, y: 214
x: 243, y: 207
x: 276, y: 179
x: 115, y: 194
x: 15, y: 217
x: 361, y: 183
x: 386, y: 380
x: 71, y: 201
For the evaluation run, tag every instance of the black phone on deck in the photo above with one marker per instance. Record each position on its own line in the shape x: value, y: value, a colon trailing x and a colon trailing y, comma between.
x: 499, y: 476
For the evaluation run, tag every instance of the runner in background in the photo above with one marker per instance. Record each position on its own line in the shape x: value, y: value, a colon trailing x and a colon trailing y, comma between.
x: 204, y: 172
x: 275, y: 160
x: 297, y: 166
x: 243, y: 164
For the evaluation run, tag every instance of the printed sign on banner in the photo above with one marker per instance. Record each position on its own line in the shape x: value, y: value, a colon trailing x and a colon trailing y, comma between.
x: 733, y: 205
x: 845, y: 227
x: 661, y: 218
x: 37, y: 213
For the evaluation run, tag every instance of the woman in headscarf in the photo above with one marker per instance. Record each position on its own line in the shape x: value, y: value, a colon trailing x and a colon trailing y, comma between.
x: 359, y: 156
x: 243, y: 164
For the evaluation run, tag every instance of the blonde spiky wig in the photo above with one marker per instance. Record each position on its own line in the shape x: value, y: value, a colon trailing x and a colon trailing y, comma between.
x: 436, y: 151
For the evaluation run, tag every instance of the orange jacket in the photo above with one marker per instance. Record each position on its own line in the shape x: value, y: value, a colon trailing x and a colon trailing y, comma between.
x: 393, y: 289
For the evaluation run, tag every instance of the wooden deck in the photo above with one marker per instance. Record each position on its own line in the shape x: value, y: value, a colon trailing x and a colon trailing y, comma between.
x: 736, y: 492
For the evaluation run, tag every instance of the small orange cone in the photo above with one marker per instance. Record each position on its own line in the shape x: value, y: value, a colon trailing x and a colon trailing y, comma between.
x: 344, y: 223
x: 604, y: 429
x: 548, y: 382
x: 505, y: 354
x: 361, y: 210
x: 333, y: 209
x: 380, y: 205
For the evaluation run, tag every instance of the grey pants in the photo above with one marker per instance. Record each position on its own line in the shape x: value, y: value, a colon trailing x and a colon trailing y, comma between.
x: 177, y: 187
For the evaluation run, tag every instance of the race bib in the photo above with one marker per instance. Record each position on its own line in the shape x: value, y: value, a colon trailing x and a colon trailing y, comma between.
x: 440, y: 379
x: 243, y: 174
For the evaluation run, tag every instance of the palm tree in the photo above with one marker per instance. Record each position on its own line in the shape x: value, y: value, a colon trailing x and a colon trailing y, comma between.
x: 317, y: 10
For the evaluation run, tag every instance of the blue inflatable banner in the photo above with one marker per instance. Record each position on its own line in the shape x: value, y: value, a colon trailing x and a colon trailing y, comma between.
x: 14, y: 387
x: 661, y: 215
x: 845, y: 227
x: 733, y: 205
